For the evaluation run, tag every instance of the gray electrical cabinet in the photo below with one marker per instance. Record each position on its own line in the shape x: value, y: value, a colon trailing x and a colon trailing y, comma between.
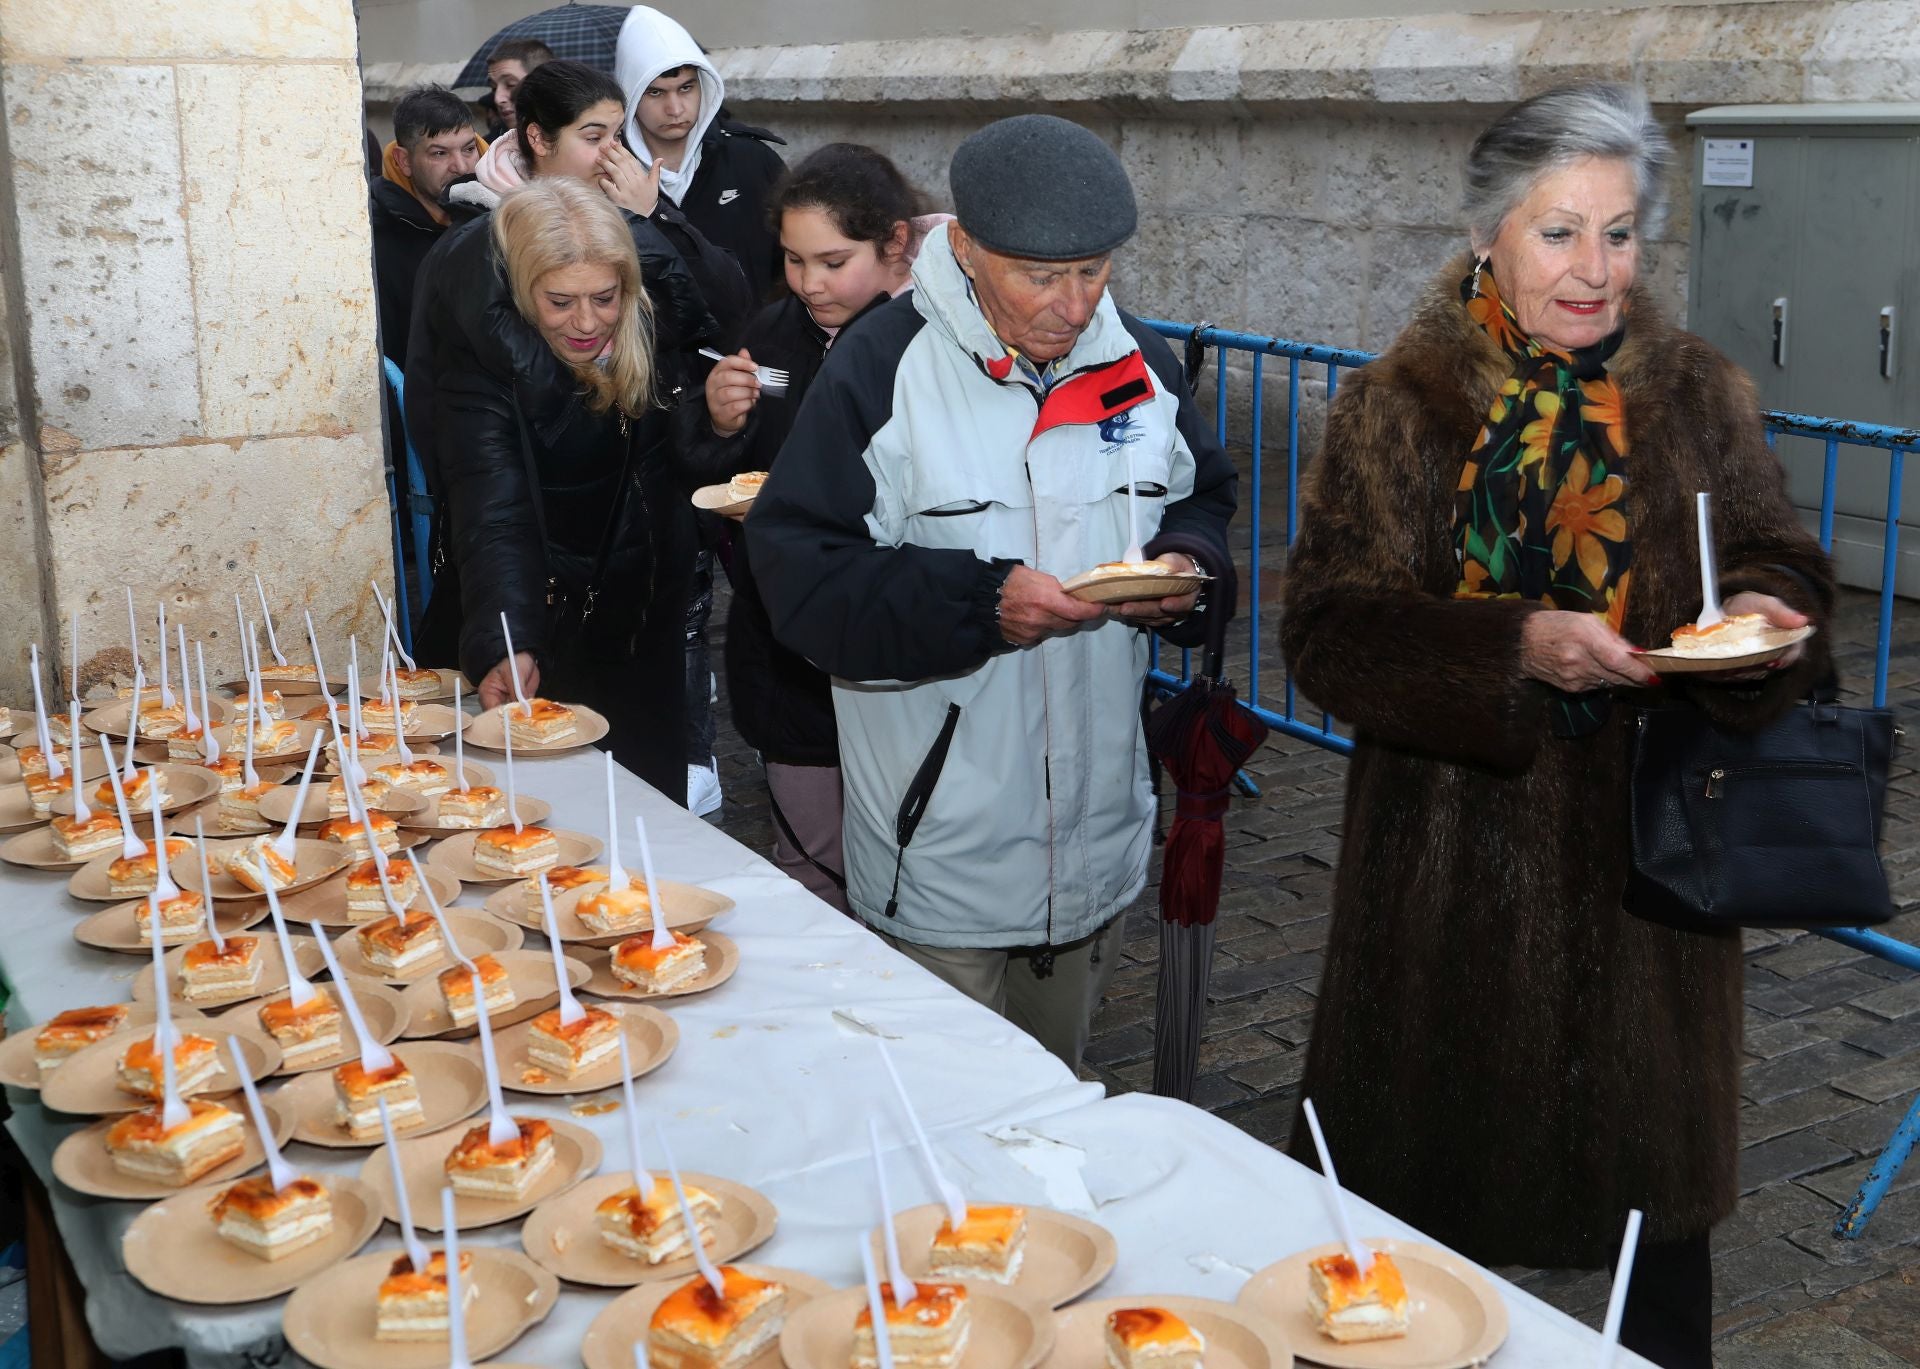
x: 1806, y: 271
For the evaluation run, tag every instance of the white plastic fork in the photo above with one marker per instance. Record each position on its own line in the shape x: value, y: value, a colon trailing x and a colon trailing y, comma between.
x: 772, y: 379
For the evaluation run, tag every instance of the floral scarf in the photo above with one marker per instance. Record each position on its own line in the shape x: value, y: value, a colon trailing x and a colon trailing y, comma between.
x: 1541, y: 513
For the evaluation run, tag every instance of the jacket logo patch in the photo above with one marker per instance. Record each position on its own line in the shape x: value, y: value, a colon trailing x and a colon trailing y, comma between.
x: 729, y: 196
x: 1120, y: 430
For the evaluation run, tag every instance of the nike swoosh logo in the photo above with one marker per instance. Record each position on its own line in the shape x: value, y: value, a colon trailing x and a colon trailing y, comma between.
x: 729, y: 196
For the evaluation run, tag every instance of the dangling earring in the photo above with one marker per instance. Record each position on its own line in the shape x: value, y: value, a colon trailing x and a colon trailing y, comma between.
x: 1478, y: 267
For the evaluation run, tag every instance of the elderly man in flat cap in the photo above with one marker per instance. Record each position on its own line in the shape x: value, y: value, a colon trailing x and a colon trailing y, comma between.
x: 966, y: 448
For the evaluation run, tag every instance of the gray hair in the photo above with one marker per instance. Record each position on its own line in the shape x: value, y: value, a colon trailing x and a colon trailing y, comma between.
x: 1555, y: 128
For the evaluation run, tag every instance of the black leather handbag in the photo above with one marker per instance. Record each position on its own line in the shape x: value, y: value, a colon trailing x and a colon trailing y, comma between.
x: 1775, y: 828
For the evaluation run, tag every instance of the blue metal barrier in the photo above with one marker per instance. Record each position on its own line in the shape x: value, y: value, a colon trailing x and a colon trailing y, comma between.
x: 419, y: 508
x: 1835, y: 433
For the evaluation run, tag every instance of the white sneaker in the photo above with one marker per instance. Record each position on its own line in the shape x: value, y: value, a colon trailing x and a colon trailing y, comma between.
x: 703, y: 789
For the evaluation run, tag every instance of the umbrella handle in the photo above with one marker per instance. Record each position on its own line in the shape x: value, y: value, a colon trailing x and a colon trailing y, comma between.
x: 1220, y: 594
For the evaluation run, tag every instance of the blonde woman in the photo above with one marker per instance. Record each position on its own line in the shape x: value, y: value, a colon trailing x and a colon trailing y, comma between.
x: 567, y: 511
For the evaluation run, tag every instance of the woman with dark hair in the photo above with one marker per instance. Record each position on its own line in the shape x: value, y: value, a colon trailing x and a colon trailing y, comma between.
x: 850, y: 225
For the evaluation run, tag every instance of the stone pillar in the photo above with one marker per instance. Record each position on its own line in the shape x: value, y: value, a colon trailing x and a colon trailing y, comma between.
x: 191, y: 391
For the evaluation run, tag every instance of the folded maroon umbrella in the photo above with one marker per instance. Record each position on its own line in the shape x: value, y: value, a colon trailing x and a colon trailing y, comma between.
x: 1201, y: 737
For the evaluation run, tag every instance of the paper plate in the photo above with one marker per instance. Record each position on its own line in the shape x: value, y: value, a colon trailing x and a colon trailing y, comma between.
x: 718, y: 499
x: 1770, y: 645
x: 1065, y: 1255
x: 329, y: 1320
x: 289, y: 687
x: 420, y: 749
x: 326, y: 902
x: 651, y: 1037
x: 273, y: 974
x: 1008, y: 1332
x: 452, y: 1086
x: 455, y: 856
x: 173, y: 1249
x: 81, y: 1162
x: 576, y: 1155
x: 1458, y: 1319
x: 1123, y: 588
x: 476, y: 934
x: 33, y: 848
x: 488, y: 732
x: 723, y: 958
x: 89, y: 882
x: 93, y: 765
x: 17, y: 1065
x: 610, y: 1339
x: 16, y: 810
x: 386, y: 1016
x: 427, y: 816
x: 561, y: 1235
x: 88, y: 1084
x: 518, y: 903
x: 475, y: 771
x: 689, y: 908
x: 369, y: 686
x: 218, y: 824
x: 112, y: 718
x: 530, y: 973
x: 188, y: 786
x: 234, y: 742
x: 117, y: 929
x: 313, y: 861
x: 431, y: 721
x: 1237, y: 1338
x: 277, y: 807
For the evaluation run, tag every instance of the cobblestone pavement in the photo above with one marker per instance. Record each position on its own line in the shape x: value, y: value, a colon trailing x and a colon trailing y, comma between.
x: 1832, y: 1036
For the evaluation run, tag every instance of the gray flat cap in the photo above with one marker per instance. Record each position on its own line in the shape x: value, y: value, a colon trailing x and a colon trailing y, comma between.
x: 1044, y: 188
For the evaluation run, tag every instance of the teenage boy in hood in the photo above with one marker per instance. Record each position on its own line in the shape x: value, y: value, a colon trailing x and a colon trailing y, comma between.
x: 718, y: 172
x: 433, y: 145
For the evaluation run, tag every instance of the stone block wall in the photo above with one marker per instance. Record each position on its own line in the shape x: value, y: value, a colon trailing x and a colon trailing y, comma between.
x: 188, y: 314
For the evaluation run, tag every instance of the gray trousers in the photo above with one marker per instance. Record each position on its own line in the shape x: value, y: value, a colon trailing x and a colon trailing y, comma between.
x: 1056, y: 1010
x: 809, y: 798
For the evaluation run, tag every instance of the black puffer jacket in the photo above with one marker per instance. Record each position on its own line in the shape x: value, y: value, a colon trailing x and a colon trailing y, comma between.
x: 404, y: 234
x: 506, y: 410
x: 728, y: 199
x: 782, y: 703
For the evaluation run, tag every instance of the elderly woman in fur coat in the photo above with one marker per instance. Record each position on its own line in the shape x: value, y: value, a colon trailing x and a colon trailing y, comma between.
x: 1503, y: 508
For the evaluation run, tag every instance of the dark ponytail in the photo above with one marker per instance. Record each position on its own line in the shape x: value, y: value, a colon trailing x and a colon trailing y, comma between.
x: 556, y: 94
x: 862, y: 191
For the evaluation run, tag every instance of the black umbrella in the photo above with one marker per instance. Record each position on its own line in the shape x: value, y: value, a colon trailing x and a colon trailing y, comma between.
x: 577, y: 33
x: 1201, y: 737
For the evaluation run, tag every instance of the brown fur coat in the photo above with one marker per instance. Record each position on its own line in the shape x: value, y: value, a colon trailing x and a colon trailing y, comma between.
x: 1501, y: 1054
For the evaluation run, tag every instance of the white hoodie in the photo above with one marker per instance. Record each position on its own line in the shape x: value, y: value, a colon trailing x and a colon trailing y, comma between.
x: 651, y: 43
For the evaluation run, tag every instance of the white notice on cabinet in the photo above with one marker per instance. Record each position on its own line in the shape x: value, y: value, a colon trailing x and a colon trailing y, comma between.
x: 1729, y: 161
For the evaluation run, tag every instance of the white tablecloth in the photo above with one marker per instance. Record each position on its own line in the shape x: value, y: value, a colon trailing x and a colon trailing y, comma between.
x: 771, y: 1085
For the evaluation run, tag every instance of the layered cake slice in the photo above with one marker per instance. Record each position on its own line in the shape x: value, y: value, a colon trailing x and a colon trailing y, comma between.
x: 142, y: 1146
x: 457, y: 990
x: 358, y: 1091
x: 505, y: 1173
x: 1152, y: 1338
x: 651, y: 1227
x: 1348, y: 1306
x: 273, y: 1224
x: 930, y: 1332
x: 694, y: 1329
